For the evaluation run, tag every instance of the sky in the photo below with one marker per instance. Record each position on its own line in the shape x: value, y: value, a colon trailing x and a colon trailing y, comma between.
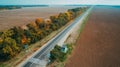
x: 59, y: 2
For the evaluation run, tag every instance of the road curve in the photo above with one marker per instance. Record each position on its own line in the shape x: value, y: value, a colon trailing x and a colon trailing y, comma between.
x: 48, y: 46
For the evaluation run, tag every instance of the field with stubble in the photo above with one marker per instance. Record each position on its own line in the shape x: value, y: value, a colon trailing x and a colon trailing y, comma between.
x: 99, y: 42
x: 18, y: 17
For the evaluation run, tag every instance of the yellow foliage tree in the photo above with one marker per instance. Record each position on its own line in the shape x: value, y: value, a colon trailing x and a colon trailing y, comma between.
x: 24, y: 39
x: 47, y: 24
x: 39, y: 21
x: 10, y: 47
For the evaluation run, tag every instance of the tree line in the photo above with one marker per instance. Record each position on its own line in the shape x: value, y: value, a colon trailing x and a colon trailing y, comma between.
x: 16, y: 39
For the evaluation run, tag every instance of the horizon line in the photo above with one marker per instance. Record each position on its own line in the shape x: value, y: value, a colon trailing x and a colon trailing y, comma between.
x: 57, y: 4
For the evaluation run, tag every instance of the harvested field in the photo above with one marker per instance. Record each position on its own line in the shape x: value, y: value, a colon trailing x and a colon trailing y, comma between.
x: 18, y: 17
x: 99, y: 42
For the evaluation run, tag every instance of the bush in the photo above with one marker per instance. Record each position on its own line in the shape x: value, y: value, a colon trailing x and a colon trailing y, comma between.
x: 57, y: 55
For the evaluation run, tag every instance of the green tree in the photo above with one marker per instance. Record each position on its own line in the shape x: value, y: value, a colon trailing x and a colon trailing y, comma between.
x: 17, y: 35
x: 57, y: 55
x: 7, y: 33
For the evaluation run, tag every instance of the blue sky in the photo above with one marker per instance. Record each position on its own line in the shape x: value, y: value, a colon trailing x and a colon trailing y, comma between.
x: 58, y: 2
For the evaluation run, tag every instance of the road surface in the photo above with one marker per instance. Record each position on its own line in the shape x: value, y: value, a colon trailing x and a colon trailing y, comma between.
x: 56, y: 39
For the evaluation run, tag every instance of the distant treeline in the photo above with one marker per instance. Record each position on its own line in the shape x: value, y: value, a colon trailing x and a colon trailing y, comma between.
x: 16, y: 39
x: 9, y: 7
x: 5, y: 7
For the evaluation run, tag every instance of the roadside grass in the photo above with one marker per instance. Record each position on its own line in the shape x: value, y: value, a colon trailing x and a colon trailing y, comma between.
x: 83, y: 24
x: 60, y: 64
x: 2, y: 65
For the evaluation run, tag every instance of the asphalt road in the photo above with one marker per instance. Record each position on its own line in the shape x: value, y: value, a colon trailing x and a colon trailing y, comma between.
x: 55, y: 40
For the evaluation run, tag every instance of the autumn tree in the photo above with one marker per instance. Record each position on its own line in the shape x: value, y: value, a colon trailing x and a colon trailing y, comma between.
x: 7, y: 33
x: 40, y: 23
x: 8, y: 48
x: 14, y: 39
x: 47, y: 24
x: 24, y: 39
x: 17, y: 35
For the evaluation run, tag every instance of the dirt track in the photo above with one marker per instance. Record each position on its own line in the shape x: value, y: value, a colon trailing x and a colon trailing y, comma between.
x: 99, y: 42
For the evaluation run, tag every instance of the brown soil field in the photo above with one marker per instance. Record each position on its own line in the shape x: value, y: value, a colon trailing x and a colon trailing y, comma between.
x: 18, y: 17
x: 99, y: 42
